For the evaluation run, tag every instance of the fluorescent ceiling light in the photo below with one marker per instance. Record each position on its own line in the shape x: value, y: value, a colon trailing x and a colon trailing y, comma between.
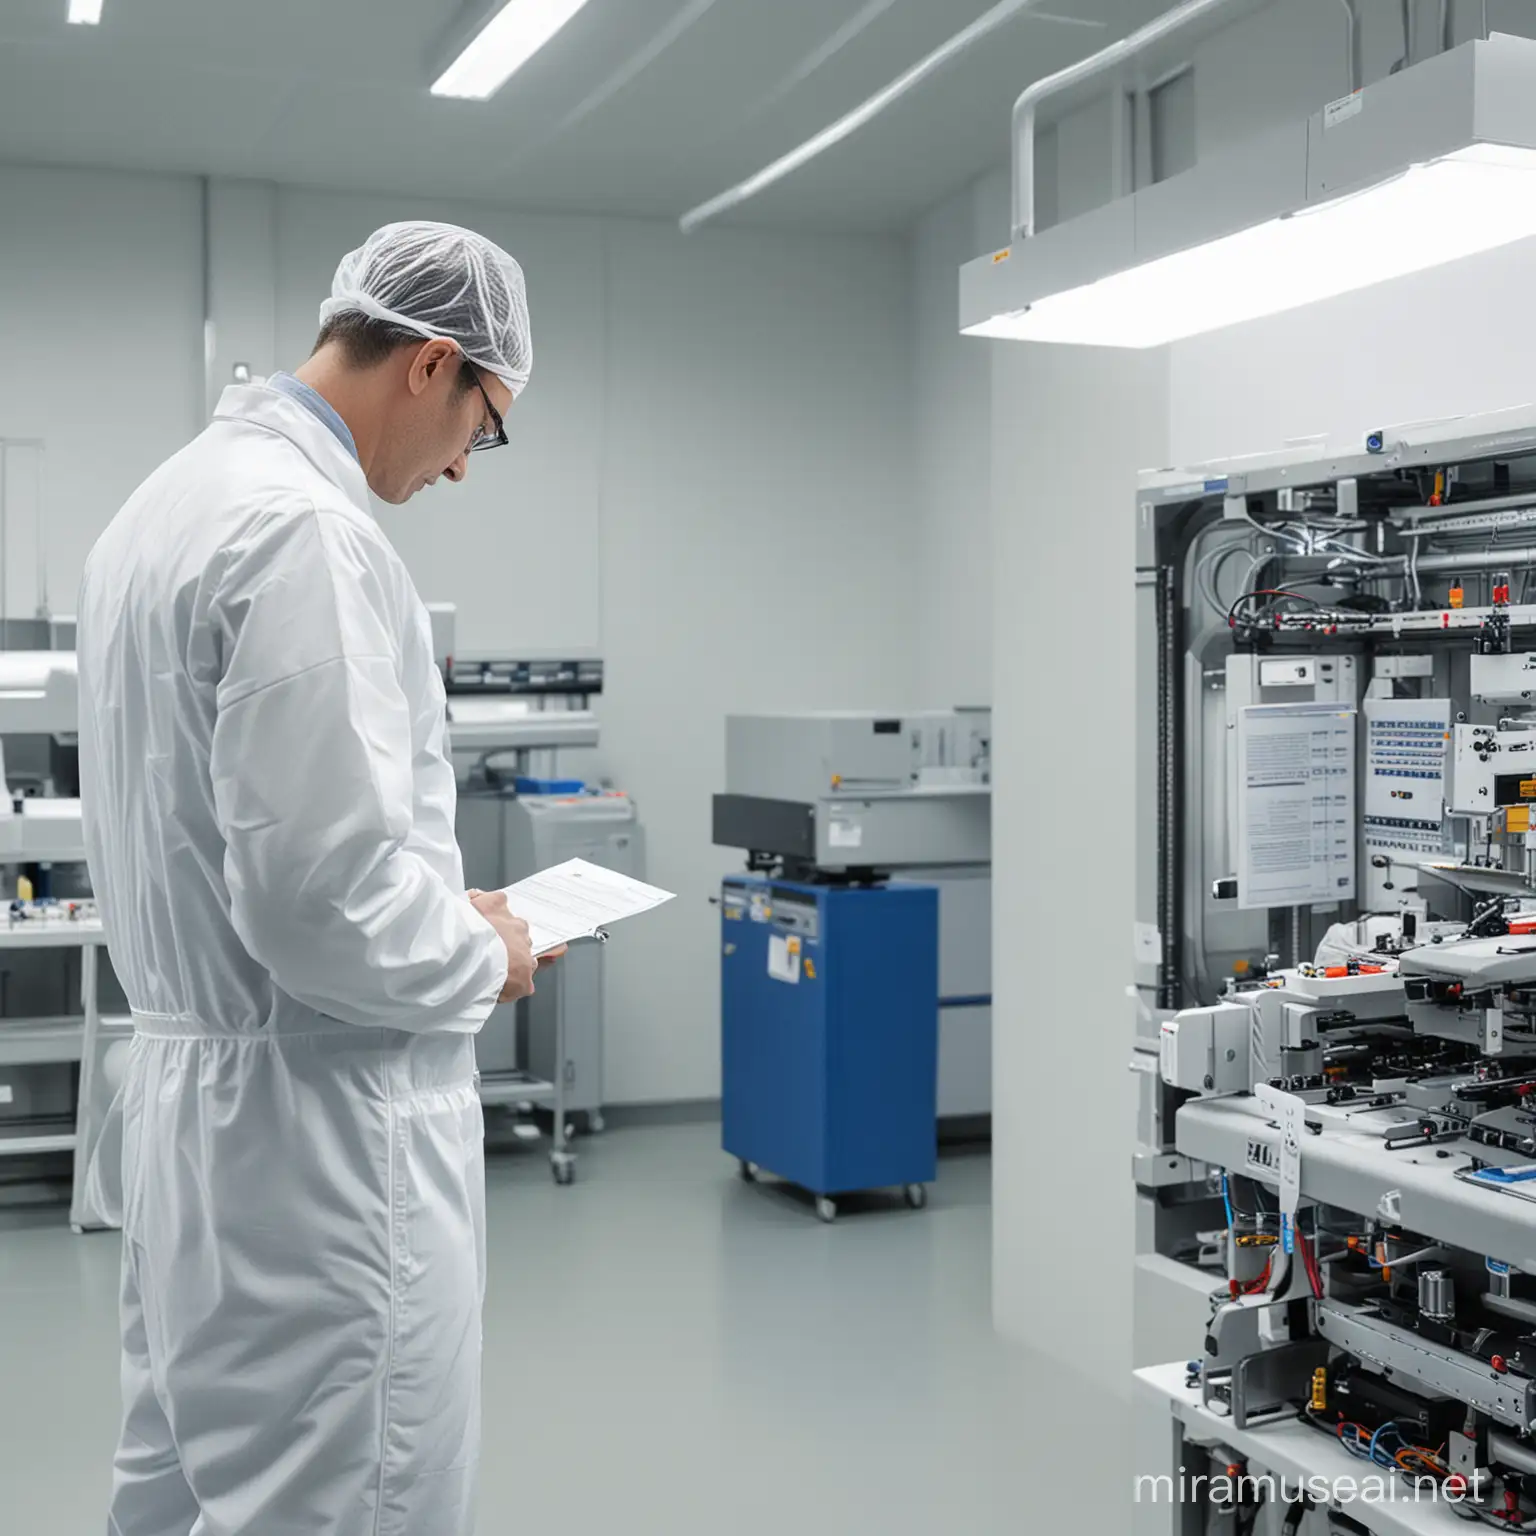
x: 1475, y: 199
x: 512, y: 36
x: 85, y: 13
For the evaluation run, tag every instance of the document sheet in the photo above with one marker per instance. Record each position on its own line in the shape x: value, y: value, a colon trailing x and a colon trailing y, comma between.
x: 578, y: 900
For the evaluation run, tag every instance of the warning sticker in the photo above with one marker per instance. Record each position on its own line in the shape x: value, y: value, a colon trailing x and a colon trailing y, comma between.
x: 1343, y: 109
x: 784, y: 958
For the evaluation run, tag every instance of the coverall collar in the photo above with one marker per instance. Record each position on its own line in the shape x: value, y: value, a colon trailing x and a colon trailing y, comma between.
x: 270, y: 408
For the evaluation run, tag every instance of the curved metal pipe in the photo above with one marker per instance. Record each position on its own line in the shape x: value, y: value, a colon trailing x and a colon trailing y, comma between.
x: 1117, y: 53
x: 835, y: 133
x: 1356, y: 72
x: 1509, y: 1451
x: 1514, y: 555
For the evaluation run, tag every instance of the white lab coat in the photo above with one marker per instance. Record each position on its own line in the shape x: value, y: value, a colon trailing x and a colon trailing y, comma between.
x: 269, y: 822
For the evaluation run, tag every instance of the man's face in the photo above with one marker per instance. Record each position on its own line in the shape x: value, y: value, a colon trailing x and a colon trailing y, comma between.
x: 442, y: 411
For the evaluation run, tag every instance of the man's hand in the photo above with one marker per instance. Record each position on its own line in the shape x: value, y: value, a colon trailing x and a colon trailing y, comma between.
x: 514, y: 934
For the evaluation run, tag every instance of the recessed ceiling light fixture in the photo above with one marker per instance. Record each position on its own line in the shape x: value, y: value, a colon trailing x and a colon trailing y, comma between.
x: 515, y: 31
x: 1425, y: 167
x: 85, y: 13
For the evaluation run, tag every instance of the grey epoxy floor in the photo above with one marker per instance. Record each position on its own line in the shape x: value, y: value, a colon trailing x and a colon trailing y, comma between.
x: 667, y: 1350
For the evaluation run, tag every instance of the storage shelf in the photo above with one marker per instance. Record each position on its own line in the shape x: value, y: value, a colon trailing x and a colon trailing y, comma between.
x: 37, y: 934
x: 35, y: 1143
x: 37, y: 1042
x: 500, y: 1088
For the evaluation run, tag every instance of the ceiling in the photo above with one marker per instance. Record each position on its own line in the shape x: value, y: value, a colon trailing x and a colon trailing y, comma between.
x: 643, y: 107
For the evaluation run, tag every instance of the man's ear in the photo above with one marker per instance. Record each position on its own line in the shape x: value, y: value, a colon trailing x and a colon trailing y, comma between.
x: 427, y: 361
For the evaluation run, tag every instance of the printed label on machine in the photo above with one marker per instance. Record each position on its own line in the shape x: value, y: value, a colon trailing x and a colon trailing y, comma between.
x: 845, y: 834
x: 1291, y: 1113
x: 1296, y: 804
x: 784, y: 957
x: 1343, y: 109
x: 1406, y: 763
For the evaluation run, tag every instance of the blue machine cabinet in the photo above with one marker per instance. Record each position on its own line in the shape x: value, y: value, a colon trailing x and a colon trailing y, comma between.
x: 829, y: 1034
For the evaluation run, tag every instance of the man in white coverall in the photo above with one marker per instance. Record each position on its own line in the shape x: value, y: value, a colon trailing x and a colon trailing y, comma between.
x: 270, y: 829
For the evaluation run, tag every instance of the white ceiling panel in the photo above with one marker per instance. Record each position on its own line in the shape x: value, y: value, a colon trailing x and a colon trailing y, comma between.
x: 638, y: 106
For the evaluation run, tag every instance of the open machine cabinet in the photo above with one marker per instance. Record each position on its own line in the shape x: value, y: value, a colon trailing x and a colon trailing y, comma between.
x: 1335, y: 974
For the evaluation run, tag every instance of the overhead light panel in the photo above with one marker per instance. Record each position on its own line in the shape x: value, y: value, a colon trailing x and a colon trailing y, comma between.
x: 501, y: 47
x: 1425, y: 217
x: 1429, y: 166
x: 85, y: 13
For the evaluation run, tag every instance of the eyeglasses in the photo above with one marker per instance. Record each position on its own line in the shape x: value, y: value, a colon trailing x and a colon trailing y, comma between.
x: 485, y: 438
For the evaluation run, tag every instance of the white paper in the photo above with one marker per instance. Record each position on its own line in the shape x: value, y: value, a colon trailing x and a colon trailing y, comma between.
x: 784, y: 958
x: 1296, y: 805
x: 1147, y: 944
x: 577, y: 900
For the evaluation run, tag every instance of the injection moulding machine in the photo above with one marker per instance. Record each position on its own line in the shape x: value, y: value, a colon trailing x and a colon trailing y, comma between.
x: 855, y: 1003
x: 507, y: 723
x: 1335, y: 971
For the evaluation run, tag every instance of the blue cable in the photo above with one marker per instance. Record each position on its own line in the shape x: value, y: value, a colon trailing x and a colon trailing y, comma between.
x: 1389, y: 1462
x: 1352, y: 1444
x: 1226, y: 1200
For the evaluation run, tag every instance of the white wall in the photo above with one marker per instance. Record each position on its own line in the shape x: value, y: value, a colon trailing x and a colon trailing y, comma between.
x: 758, y: 538
x: 952, y: 427
x: 1028, y: 460
x: 710, y: 483
x: 101, y: 327
x: 530, y: 507
x: 1071, y: 428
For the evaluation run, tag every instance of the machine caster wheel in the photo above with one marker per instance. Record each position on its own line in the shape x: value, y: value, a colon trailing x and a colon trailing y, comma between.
x: 563, y: 1169
x: 917, y: 1196
x: 748, y: 1171
x: 826, y: 1209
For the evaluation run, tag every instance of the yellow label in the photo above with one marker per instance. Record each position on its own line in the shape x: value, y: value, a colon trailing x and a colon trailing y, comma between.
x: 810, y: 969
x: 1002, y: 255
x: 793, y: 944
x: 1528, y: 789
x: 1518, y: 817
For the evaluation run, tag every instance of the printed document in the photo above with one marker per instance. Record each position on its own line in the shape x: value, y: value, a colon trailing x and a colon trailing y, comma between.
x: 577, y: 900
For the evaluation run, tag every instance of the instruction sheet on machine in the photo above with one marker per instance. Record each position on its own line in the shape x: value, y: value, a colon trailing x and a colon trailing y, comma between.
x: 577, y: 900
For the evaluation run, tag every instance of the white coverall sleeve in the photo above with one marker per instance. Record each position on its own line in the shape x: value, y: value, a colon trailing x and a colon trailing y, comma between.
x: 312, y: 771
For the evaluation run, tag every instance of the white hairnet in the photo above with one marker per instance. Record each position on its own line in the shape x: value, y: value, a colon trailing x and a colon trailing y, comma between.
x: 441, y: 282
